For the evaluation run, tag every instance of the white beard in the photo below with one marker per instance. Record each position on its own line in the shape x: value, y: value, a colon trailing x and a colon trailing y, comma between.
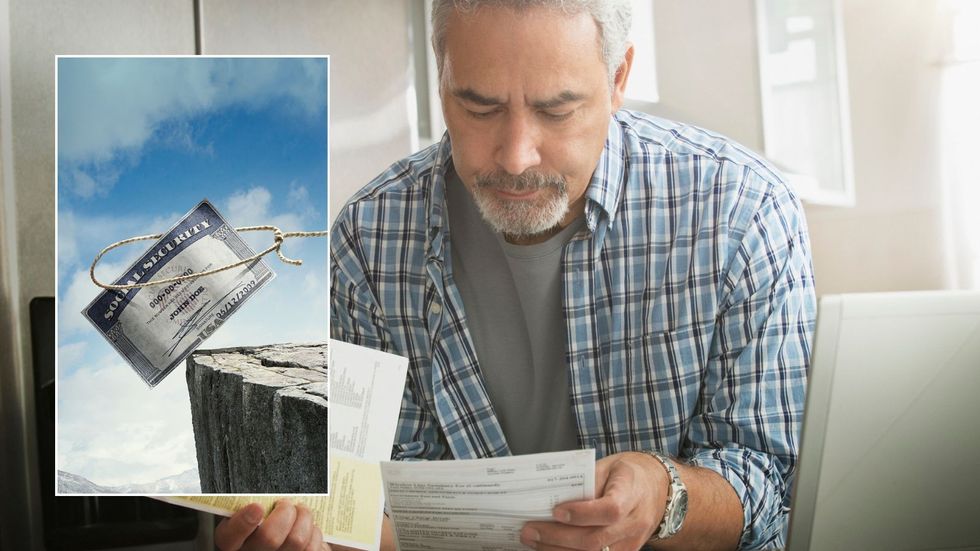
x: 522, y: 218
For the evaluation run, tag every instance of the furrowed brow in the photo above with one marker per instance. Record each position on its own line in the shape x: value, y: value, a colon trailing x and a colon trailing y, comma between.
x: 472, y: 96
x: 561, y: 99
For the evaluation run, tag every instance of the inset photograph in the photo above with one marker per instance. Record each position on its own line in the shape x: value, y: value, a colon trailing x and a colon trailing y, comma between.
x: 192, y: 282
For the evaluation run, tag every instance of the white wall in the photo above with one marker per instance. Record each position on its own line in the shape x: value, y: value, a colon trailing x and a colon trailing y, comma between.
x: 707, y: 66
x: 892, y: 240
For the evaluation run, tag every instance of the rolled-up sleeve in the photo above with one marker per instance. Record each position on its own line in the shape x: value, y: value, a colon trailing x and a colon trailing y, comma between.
x: 747, y: 428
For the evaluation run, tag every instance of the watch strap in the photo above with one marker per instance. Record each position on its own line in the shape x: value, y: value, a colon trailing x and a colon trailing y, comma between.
x: 676, y: 485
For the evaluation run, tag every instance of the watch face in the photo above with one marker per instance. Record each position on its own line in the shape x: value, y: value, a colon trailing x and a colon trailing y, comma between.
x: 679, y: 512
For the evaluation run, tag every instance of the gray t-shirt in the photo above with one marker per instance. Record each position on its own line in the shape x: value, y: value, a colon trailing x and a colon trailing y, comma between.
x: 512, y: 301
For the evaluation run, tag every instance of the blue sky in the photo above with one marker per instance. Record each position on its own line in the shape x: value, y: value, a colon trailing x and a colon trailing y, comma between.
x: 140, y: 142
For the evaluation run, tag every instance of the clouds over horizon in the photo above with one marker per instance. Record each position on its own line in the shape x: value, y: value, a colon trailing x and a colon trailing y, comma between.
x: 146, y: 434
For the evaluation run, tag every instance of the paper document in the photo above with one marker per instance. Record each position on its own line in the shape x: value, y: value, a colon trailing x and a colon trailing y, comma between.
x: 481, y: 503
x: 365, y: 396
x: 351, y: 515
x: 366, y: 390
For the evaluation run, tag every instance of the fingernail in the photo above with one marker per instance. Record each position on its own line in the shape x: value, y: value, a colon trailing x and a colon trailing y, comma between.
x: 532, y: 535
x: 253, y: 515
x: 563, y: 516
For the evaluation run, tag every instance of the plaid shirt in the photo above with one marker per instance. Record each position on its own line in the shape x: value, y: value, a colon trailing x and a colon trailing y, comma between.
x: 688, y: 303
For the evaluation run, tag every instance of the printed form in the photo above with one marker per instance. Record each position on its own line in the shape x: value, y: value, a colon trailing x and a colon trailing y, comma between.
x: 481, y: 503
x: 366, y: 389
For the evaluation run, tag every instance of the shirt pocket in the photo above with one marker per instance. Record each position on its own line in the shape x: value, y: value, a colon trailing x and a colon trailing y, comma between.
x: 651, y: 387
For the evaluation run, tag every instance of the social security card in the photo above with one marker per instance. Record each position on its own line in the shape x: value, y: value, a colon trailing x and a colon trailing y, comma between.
x: 156, y: 327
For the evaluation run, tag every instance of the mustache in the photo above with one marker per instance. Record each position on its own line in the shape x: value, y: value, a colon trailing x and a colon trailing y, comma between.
x: 526, y: 181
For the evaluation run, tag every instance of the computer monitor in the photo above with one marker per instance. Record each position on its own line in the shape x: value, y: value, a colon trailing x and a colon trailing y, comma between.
x: 890, y: 456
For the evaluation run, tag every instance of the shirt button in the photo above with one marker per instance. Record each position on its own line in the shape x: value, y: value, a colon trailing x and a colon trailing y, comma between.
x: 436, y: 308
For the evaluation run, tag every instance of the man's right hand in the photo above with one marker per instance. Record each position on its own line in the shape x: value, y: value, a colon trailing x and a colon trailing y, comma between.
x: 288, y: 528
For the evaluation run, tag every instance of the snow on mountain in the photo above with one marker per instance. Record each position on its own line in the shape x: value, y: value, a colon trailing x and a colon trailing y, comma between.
x: 69, y: 483
x: 187, y: 482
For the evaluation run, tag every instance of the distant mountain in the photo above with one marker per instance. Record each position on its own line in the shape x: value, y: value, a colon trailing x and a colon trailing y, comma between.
x: 73, y: 484
x: 187, y: 482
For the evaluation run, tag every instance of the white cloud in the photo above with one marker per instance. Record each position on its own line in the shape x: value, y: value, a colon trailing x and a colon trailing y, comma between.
x: 298, y: 200
x: 114, y: 430
x: 181, y: 134
x: 81, y: 237
x: 313, y: 283
x: 81, y: 291
x: 72, y: 353
x: 67, y: 240
x: 254, y: 207
x: 83, y: 184
x: 249, y: 207
x: 291, y: 308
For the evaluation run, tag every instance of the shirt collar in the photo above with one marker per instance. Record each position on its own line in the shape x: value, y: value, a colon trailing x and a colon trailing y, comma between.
x: 436, y: 206
x: 606, y: 187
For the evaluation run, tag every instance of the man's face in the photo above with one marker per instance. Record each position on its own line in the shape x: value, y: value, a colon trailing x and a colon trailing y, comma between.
x: 527, y: 101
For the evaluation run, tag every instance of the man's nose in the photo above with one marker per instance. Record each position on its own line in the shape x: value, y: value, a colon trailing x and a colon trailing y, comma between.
x: 517, y: 147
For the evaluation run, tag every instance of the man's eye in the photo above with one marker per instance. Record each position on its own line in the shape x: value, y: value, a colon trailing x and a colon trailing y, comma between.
x: 482, y: 114
x: 557, y: 116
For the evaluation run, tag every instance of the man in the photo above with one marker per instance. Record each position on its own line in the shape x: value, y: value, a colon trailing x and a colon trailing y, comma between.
x: 564, y: 274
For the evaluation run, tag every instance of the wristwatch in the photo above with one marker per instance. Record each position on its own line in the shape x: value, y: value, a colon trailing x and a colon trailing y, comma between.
x: 676, y: 509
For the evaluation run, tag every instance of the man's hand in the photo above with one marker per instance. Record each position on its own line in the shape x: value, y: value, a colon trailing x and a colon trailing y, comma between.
x: 631, y: 494
x: 288, y: 528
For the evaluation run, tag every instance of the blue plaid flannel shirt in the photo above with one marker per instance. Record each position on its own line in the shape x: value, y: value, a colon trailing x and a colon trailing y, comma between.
x: 688, y: 301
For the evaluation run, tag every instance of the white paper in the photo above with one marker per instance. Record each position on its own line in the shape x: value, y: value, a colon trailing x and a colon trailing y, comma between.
x: 366, y: 388
x: 351, y: 515
x: 365, y: 396
x: 481, y: 503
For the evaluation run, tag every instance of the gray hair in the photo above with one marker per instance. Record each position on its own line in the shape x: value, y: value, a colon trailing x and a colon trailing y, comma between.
x: 612, y: 17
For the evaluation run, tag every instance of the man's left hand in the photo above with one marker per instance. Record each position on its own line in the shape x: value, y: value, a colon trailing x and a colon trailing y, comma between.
x: 631, y: 494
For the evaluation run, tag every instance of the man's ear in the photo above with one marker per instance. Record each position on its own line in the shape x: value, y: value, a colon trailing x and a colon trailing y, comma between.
x: 621, y: 78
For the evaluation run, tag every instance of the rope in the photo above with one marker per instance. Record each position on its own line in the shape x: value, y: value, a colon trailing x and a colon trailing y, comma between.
x: 279, y: 236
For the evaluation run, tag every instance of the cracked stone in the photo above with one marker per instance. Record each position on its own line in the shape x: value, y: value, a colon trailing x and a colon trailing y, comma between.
x: 260, y: 418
